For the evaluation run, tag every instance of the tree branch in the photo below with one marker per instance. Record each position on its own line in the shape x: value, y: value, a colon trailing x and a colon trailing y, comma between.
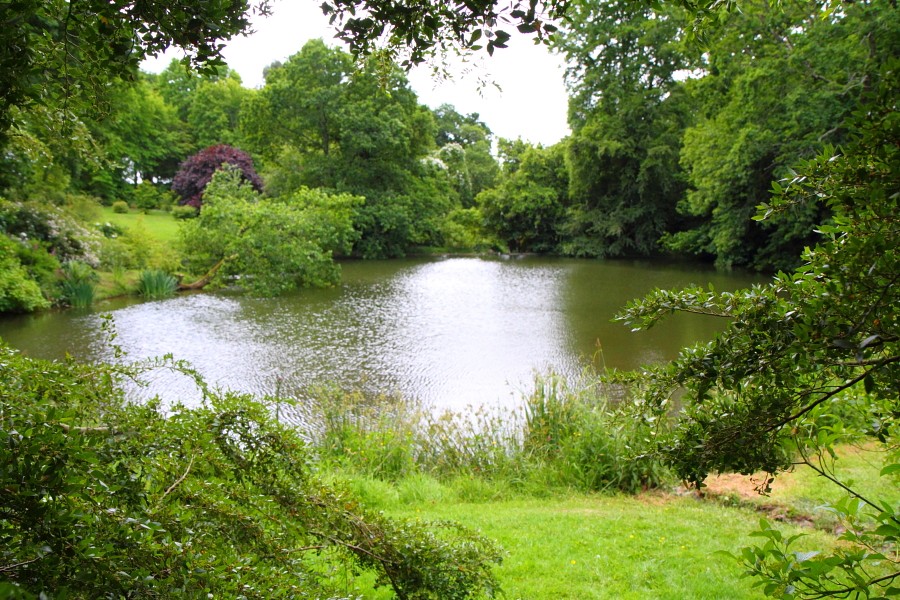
x: 71, y: 429
x: 15, y: 566
x: 831, y: 394
x: 177, y: 481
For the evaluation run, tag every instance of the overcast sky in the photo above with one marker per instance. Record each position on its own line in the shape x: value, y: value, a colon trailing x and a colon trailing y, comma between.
x: 531, y: 105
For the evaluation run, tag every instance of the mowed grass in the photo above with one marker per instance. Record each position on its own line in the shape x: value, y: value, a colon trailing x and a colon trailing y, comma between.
x: 159, y: 224
x: 655, y: 545
x: 805, y: 492
x: 580, y: 546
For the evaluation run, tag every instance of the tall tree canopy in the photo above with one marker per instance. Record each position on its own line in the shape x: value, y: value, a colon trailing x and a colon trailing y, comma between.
x: 779, y: 83
x: 320, y: 121
x: 627, y: 115
x: 61, y: 53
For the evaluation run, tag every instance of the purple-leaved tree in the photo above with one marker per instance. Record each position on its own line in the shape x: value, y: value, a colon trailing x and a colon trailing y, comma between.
x: 197, y: 171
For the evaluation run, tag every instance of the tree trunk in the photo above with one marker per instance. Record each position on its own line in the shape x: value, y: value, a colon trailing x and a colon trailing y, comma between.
x: 204, y: 281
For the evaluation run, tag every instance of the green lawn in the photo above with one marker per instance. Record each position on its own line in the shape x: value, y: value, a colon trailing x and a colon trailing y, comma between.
x: 581, y: 546
x: 157, y: 223
x: 650, y: 546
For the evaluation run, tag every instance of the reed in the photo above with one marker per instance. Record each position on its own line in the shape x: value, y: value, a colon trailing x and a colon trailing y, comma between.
x: 156, y: 284
x: 77, y: 285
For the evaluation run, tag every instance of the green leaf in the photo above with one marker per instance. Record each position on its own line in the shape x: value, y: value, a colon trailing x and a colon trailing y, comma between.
x: 890, y: 469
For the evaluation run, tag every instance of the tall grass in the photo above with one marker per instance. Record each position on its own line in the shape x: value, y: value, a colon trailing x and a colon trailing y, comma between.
x: 564, y: 434
x: 156, y: 284
x: 77, y: 285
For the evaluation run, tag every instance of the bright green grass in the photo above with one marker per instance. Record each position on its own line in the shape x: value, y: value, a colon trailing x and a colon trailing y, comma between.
x: 653, y: 546
x: 805, y: 492
x: 157, y: 223
x: 858, y: 466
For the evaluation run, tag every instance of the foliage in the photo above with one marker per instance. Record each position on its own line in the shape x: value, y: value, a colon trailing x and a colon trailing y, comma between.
x: 527, y: 208
x: 627, y: 114
x: 77, y: 285
x: 47, y: 225
x: 141, y: 140
x: 109, y: 497
x: 197, y: 171
x: 425, y: 30
x: 273, y: 245
x: 120, y: 207
x: 763, y: 390
x: 184, y: 212
x: 156, y: 284
x: 463, y: 228
x: 19, y: 292
x: 464, y: 147
x: 781, y: 81
x: 147, y: 196
x: 321, y: 122
x: 213, y: 116
x: 63, y: 55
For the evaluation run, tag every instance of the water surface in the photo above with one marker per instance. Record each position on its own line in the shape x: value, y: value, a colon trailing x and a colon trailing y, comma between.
x: 451, y: 332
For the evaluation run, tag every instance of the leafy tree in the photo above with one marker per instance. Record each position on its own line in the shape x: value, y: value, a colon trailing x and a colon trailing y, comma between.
x: 454, y: 128
x: 62, y: 54
x: 141, y: 137
x: 300, y: 104
x: 320, y: 122
x: 197, y: 171
x: 627, y: 116
x: 464, y: 147
x: 108, y: 497
x: 781, y: 82
x: 215, y: 111
x: 274, y: 245
x: 526, y: 210
x: 808, y: 360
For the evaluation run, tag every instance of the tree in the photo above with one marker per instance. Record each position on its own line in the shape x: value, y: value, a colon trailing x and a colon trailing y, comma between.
x: 106, y: 497
x: 197, y: 171
x: 214, y: 114
x: 464, y: 147
x: 59, y: 53
x: 141, y: 136
x: 780, y: 82
x: 358, y: 131
x: 808, y: 360
x: 627, y: 114
x: 273, y: 245
x: 527, y: 208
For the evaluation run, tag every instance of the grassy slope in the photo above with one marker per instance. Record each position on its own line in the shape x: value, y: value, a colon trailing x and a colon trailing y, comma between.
x: 653, y: 546
x: 590, y: 546
x: 157, y: 223
x: 611, y: 547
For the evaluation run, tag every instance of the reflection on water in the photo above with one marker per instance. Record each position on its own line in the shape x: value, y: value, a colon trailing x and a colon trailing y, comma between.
x: 450, y: 332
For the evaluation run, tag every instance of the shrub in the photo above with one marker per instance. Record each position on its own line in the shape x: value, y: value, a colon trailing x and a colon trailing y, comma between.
x: 77, y: 286
x: 184, y: 212
x: 109, y: 230
x: 197, y: 171
x: 156, y: 284
x: 120, y: 500
x: 47, y: 225
x: 147, y: 196
x: 120, y: 207
x: 275, y: 245
x: 18, y: 291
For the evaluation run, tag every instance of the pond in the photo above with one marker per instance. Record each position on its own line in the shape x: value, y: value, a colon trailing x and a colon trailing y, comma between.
x: 450, y: 332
